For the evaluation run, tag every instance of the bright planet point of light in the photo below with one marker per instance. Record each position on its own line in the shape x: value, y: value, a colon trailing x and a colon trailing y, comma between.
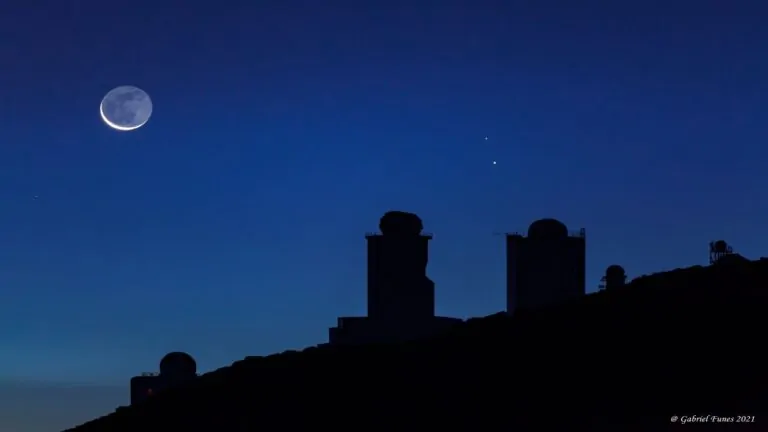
x: 126, y: 108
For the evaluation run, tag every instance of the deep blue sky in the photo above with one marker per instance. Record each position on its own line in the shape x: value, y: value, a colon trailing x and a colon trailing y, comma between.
x: 233, y: 223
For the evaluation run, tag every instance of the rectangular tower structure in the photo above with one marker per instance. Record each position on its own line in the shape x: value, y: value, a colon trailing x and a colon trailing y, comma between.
x: 546, y: 267
x: 398, y: 287
x: 401, y: 298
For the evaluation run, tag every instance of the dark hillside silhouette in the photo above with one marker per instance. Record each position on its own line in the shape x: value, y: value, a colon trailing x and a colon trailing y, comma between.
x: 685, y: 342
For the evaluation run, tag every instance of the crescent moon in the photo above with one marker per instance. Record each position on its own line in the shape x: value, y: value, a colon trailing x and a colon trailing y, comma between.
x: 125, y: 108
x: 114, y: 126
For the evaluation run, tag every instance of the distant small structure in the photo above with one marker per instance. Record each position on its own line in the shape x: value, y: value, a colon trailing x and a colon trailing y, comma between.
x: 718, y: 249
x: 176, y: 368
x: 615, y: 277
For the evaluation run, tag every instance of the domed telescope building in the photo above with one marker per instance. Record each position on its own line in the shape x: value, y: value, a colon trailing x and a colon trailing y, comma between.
x: 401, y: 298
x: 176, y: 368
x: 545, y: 267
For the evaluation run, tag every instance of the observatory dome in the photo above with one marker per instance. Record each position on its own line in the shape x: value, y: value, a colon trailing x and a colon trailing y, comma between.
x: 399, y: 223
x: 615, y: 270
x: 547, y: 228
x: 178, y: 364
x: 721, y: 246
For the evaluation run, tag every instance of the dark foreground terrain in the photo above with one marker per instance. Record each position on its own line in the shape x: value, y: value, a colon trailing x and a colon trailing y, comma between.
x: 681, y: 343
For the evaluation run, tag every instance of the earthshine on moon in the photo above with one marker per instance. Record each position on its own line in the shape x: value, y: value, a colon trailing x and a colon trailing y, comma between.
x: 126, y: 108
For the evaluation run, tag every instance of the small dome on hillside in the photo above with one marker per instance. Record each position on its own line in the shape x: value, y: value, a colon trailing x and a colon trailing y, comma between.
x: 615, y: 270
x: 178, y: 364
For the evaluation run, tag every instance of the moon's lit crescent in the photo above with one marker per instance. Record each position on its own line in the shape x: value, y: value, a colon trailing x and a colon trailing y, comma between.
x: 114, y: 126
x: 125, y: 108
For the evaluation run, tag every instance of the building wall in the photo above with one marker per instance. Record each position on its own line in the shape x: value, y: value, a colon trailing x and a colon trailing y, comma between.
x: 398, y: 286
x: 143, y: 387
x: 544, y: 271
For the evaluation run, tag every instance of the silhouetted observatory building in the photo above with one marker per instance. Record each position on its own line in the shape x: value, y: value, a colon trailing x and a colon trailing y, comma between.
x: 546, y: 266
x: 401, y: 298
x: 175, y: 368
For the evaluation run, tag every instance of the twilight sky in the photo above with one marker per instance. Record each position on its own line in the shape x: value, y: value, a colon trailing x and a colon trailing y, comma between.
x: 233, y: 223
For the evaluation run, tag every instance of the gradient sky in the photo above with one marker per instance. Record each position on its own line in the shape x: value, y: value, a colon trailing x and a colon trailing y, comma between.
x: 233, y: 223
